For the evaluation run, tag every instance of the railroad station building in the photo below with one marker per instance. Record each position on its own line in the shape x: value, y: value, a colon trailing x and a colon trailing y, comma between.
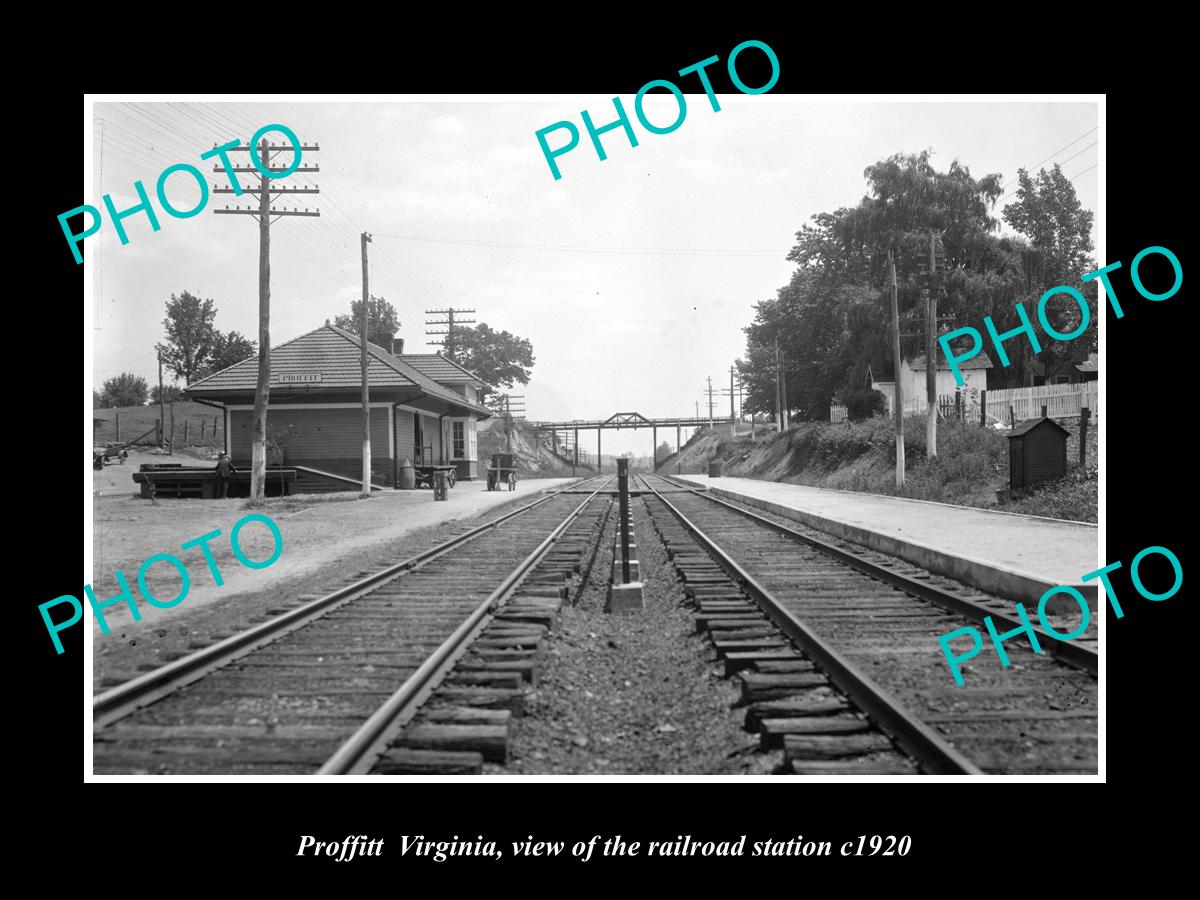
x: 424, y: 409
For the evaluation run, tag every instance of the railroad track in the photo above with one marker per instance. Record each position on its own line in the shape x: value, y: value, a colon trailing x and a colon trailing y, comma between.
x: 838, y: 654
x: 337, y: 685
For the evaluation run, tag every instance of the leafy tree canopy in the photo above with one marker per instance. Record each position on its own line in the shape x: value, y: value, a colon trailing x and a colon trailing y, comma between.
x: 125, y: 389
x: 499, y: 359
x: 831, y: 321
x: 170, y: 392
x: 227, y: 350
x: 190, y: 336
x: 382, y: 325
x: 1048, y: 212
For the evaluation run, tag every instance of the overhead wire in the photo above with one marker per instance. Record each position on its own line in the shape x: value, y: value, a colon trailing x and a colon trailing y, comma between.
x: 755, y: 254
x: 1052, y: 155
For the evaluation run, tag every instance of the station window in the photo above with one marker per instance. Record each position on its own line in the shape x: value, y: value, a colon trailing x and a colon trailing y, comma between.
x: 458, y: 438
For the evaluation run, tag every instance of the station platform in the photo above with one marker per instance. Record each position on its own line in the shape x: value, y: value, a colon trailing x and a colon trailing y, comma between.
x: 1013, y: 556
x: 320, y: 531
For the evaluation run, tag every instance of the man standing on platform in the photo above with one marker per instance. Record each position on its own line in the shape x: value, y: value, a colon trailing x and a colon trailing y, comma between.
x: 224, y: 470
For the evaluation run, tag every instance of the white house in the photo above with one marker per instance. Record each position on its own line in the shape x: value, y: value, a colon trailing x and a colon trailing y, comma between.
x: 912, y: 373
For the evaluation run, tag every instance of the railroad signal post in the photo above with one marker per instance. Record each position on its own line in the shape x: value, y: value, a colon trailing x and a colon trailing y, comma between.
x: 625, y: 592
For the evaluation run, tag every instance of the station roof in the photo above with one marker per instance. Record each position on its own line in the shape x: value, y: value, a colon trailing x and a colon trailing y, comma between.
x: 328, y: 360
x: 1091, y: 364
x: 440, y: 368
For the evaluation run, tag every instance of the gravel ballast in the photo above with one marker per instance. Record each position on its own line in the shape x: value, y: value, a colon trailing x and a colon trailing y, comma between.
x: 633, y: 694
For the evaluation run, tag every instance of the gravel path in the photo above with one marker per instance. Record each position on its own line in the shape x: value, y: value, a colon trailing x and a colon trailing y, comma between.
x: 636, y: 694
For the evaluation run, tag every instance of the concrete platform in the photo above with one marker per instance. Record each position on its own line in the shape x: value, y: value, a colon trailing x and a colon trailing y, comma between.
x: 1013, y: 556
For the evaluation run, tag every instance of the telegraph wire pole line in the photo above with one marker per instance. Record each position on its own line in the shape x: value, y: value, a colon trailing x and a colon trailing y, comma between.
x: 267, y: 152
x: 446, y: 340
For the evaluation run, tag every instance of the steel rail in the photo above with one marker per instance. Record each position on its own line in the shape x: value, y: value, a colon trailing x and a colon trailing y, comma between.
x: 359, y: 752
x: 1068, y: 652
x: 910, y: 733
x: 118, y: 702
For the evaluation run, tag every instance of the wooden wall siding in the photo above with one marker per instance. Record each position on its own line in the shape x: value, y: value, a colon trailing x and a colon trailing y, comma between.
x: 406, y: 436
x: 433, y: 435
x: 1044, y: 455
x: 313, y: 433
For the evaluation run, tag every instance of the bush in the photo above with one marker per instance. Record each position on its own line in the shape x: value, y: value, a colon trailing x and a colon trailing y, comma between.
x: 865, y: 403
x: 125, y: 389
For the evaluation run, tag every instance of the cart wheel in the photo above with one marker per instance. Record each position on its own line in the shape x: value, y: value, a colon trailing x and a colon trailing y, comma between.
x: 512, y: 481
x: 451, y: 478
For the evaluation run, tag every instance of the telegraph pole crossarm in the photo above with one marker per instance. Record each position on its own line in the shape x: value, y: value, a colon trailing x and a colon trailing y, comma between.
x: 265, y: 215
x: 453, y: 317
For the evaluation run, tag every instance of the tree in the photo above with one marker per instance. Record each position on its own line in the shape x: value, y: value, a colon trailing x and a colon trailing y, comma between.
x: 499, y: 359
x: 832, y: 321
x: 170, y: 392
x: 125, y: 389
x: 1048, y: 212
x: 190, y: 335
x: 227, y: 350
x: 383, y: 324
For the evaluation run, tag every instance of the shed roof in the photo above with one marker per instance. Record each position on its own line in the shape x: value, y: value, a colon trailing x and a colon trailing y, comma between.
x: 982, y: 361
x: 1028, y: 425
x: 335, y: 356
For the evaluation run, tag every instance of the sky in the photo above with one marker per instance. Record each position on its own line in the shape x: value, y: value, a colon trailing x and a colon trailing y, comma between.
x: 632, y: 277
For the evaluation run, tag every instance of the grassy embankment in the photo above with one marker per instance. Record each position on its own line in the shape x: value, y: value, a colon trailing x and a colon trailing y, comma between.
x: 136, y: 420
x: 971, y: 465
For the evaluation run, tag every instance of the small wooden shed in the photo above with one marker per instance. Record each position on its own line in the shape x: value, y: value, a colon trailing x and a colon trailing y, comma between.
x: 1037, y: 452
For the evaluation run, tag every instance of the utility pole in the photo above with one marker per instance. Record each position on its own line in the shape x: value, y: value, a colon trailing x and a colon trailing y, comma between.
x: 735, y: 391
x: 447, y: 341
x: 366, y: 391
x: 697, y: 409
x: 931, y: 325
x: 508, y: 429
x: 265, y: 153
x: 504, y: 407
x: 897, y: 390
x: 783, y: 374
x: 710, y: 402
x: 778, y: 388
x: 732, y: 426
x: 161, y: 421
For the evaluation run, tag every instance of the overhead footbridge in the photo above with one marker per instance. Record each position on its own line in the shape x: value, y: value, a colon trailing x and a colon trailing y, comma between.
x: 622, y: 420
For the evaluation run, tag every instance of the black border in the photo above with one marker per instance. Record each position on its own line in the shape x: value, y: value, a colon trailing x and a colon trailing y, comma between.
x: 1147, y: 450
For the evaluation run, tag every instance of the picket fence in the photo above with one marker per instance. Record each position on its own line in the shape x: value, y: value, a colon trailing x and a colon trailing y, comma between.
x: 1062, y: 401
